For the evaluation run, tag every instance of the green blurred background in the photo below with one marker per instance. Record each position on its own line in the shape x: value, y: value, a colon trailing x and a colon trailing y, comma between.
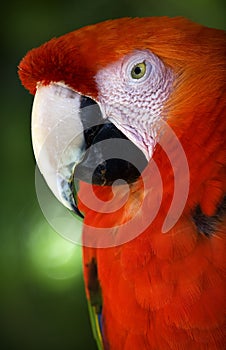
x: 42, y: 297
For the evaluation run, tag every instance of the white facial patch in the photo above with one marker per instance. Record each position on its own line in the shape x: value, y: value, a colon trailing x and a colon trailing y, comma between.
x: 135, y: 106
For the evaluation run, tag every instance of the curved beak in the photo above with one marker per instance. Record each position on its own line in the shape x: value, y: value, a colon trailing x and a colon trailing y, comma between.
x: 72, y: 141
x: 58, y: 139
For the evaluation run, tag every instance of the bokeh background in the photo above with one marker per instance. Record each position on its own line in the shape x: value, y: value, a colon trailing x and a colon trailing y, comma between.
x: 42, y: 300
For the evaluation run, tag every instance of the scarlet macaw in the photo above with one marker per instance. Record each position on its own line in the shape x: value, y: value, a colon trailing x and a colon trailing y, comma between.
x: 141, y: 100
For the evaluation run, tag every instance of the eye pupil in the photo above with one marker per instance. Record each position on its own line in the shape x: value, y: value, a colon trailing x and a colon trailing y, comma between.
x: 138, y: 70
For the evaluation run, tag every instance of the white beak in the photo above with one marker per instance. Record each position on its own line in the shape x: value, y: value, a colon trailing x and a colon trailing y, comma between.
x: 57, y: 136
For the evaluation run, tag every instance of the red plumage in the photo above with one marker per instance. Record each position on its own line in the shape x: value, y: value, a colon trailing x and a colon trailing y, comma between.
x: 159, y: 290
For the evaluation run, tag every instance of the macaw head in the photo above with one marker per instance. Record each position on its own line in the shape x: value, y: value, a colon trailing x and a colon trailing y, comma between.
x: 104, y: 93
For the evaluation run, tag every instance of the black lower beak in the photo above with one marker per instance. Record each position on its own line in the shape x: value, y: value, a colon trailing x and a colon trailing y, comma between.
x: 110, y: 156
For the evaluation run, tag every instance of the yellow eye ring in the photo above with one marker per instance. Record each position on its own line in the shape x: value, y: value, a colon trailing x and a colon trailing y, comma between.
x: 138, y: 71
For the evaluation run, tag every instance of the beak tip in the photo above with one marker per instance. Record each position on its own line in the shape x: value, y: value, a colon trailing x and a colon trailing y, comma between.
x: 77, y: 211
x: 66, y: 195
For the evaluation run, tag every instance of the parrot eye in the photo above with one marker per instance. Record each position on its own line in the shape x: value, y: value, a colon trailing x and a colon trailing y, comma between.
x: 138, y: 71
